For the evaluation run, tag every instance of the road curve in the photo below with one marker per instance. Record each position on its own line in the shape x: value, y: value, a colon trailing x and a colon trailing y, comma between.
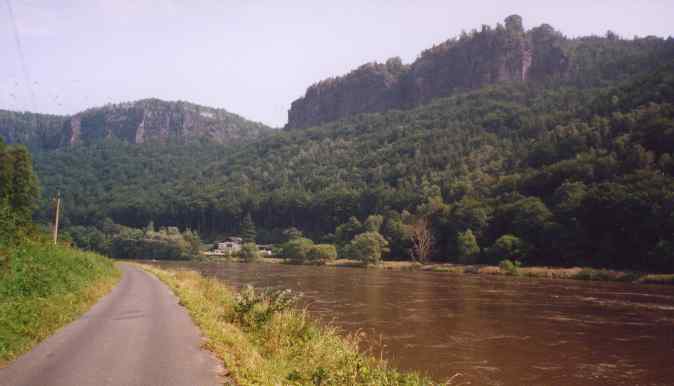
x: 137, y: 335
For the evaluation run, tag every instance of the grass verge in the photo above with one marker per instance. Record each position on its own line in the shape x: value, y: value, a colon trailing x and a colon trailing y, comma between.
x: 44, y: 287
x: 263, y: 340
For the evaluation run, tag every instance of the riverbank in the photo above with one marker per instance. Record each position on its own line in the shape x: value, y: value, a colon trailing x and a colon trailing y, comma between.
x: 573, y: 273
x: 44, y: 287
x: 263, y: 340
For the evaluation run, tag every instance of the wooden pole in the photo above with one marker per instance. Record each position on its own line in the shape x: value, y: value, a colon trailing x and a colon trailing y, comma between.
x: 56, y: 217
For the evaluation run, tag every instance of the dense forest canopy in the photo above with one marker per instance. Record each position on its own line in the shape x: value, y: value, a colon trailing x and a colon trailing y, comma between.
x: 572, y: 171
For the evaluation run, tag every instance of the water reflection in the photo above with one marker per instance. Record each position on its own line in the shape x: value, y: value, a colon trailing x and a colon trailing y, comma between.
x: 489, y: 330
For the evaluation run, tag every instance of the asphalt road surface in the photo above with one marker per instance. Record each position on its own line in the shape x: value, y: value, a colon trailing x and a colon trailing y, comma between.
x: 137, y: 335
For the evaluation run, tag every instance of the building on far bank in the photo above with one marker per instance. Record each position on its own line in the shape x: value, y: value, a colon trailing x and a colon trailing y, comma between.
x: 230, y: 245
x: 265, y: 249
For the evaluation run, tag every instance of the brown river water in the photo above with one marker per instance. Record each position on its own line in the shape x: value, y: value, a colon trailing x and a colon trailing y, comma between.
x: 488, y: 330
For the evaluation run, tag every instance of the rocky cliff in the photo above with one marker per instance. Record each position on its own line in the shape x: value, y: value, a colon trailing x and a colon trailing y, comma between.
x: 135, y: 122
x: 506, y: 53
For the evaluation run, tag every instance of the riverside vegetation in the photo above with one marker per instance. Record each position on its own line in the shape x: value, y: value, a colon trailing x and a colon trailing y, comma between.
x: 42, y: 286
x: 263, y: 340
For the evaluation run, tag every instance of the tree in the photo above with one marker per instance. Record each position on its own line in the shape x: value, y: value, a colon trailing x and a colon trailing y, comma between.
x: 322, y: 253
x: 347, y: 231
x: 508, y: 247
x: 422, y: 238
x: 296, y: 249
x: 467, y: 247
x: 248, y: 229
x: 249, y: 252
x: 24, y: 191
x: 292, y: 233
x: 394, y: 230
x: 6, y: 172
x: 193, y: 240
x: 368, y: 247
x: 373, y: 223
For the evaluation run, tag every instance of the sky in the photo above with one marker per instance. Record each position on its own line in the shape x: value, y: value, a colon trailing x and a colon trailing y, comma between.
x: 251, y: 57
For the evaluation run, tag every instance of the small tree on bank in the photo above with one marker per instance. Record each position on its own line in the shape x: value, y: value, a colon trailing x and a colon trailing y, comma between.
x: 422, y: 238
x: 322, y: 253
x: 508, y: 247
x: 368, y: 247
x: 249, y: 252
x: 467, y: 247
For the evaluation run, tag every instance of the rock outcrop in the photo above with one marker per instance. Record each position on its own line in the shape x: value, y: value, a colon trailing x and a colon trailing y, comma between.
x: 134, y: 122
x: 506, y: 53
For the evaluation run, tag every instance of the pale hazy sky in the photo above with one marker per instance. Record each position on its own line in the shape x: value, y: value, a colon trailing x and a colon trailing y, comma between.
x: 251, y: 57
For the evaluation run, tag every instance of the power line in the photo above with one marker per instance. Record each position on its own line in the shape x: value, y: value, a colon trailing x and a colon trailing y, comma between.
x: 22, y: 59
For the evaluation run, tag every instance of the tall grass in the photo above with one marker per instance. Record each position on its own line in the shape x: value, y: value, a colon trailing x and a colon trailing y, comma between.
x: 42, y: 288
x: 263, y: 342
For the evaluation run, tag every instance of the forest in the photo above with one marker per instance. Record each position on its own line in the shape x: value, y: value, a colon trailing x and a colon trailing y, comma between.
x: 553, y: 175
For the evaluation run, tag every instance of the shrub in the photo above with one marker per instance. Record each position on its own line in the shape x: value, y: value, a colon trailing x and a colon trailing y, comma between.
x: 253, y: 308
x: 322, y: 253
x: 249, y: 252
x: 510, y: 267
x: 296, y: 249
x: 368, y: 247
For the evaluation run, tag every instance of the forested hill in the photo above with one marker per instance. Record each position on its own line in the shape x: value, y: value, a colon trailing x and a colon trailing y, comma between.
x: 546, y: 174
x: 505, y: 53
x: 133, y: 122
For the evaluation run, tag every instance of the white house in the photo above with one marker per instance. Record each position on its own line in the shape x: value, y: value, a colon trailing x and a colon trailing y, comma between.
x: 230, y: 245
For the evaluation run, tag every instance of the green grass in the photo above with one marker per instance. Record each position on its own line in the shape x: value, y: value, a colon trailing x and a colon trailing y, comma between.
x: 263, y: 342
x: 42, y: 288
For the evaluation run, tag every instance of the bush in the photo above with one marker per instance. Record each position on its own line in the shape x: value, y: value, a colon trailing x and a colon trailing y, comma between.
x: 296, y: 249
x: 249, y: 252
x: 510, y: 267
x: 254, y: 308
x: 368, y: 247
x: 322, y: 253
x: 167, y: 244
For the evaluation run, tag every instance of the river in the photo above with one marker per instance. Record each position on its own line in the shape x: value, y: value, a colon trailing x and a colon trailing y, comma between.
x: 488, y: 330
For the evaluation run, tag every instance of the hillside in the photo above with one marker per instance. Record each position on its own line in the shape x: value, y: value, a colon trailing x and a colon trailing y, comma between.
x: 578, y: 176
x: 133, y: 122
x: 574, y: 170
x: 506, y: 53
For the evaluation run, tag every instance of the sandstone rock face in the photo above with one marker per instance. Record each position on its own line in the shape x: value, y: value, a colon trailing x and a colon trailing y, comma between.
x: 134, y: 122
x: 505, y: 53
x: 371, y: 87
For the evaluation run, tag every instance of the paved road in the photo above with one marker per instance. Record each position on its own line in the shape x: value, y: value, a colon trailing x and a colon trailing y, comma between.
x: 137, y: 335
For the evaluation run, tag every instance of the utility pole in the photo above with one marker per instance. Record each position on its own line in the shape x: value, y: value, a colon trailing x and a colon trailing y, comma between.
x: 56, y: 218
